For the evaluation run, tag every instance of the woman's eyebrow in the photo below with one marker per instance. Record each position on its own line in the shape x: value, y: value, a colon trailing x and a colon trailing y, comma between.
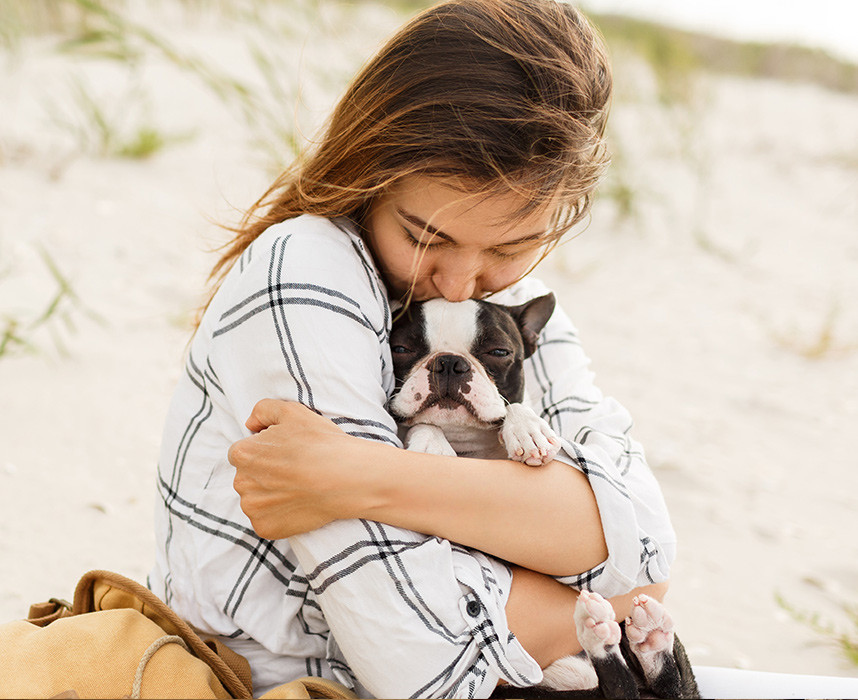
x: 432, y: 231
x: 419, y: 223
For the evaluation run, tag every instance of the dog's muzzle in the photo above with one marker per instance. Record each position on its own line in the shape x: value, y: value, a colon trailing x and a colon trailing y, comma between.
x: 449, y: 375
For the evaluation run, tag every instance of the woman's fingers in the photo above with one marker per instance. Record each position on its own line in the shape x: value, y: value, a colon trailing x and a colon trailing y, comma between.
x: 289, y: 472
x: 266, y: 413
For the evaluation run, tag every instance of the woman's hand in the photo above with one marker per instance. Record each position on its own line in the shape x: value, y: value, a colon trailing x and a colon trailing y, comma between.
x: 291, y: 474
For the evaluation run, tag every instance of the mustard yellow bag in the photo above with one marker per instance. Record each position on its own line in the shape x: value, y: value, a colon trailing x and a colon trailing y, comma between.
x: 118, y: 639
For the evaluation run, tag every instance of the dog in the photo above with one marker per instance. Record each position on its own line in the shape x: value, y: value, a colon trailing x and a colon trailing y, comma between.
x: 459, y: 371
x: 460, y: 390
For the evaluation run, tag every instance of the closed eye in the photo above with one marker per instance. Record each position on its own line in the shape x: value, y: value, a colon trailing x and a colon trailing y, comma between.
x: 417, y: 242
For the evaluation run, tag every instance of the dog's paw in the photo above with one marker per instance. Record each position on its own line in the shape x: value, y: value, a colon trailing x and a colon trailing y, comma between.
x: 527, y: 437
x: 649, y: 630
x: 649, y: 627
x: 570, y: 673
x: 596, y: 624
x: 429, y: 439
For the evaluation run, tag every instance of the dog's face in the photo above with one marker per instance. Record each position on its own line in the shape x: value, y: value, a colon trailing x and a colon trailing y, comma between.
x: 462, y: 363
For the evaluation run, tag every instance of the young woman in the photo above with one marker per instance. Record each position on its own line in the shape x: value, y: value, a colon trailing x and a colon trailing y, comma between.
x: 297, y: 529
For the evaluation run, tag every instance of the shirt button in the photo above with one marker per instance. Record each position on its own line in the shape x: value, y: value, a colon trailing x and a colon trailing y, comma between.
x: 473, y: 608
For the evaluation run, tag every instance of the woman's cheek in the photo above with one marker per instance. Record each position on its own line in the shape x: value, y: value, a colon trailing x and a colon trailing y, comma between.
x: 504, y: 274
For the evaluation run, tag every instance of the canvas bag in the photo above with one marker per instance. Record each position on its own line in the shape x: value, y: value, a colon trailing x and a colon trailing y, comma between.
x: 118, y: 639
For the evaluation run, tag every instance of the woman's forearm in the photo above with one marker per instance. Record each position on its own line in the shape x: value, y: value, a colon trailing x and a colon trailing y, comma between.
x: 541, y: 518
x: 299, y: 471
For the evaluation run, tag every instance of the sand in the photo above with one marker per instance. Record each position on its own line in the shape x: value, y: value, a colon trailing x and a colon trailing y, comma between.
x: 721, y: 311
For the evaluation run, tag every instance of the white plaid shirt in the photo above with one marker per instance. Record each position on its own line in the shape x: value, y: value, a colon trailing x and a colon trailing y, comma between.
x: 303, y: 315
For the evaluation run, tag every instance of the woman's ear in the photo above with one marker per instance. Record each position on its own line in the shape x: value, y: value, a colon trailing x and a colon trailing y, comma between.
x: 531, y: 318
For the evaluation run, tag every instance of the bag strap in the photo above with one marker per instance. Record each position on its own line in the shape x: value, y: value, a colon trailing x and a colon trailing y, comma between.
x: 92, y: 594
x: 239, y: 665
x: 308, y: 688
x: 323, y: 688
x: 42, y: 614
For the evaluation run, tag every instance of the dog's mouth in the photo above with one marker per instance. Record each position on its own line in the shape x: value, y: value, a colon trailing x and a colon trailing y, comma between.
x: 447, y: 403
x: 446, y: 408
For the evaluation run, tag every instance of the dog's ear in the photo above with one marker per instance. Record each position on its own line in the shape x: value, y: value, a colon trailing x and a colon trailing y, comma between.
x: 531, y: 318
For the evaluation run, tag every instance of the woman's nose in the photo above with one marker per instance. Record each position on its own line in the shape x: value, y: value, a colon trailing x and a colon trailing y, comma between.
x: 455, y: 289
x: 456, y: 279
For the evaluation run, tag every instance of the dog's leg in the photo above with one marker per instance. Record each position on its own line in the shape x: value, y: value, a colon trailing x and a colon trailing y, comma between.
x: 570, y: 673
x: 599, y: 634
x: 649, y: 630
x: 429, y: 439
x: 527, y: 437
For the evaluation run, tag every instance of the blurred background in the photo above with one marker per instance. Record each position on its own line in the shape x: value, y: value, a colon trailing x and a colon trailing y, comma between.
x: 714, y: 286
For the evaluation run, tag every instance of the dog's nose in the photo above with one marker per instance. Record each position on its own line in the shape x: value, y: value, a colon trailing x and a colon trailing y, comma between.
x: 449, y: 365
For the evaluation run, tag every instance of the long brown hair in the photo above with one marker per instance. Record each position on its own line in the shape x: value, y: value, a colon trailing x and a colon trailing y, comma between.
x: 501, y: 94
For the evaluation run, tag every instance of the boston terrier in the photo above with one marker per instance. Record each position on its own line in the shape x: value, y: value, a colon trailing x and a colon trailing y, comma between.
x: 459, y: 371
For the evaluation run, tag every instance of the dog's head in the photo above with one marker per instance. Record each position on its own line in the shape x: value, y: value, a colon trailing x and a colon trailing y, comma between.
x: 462, y: 363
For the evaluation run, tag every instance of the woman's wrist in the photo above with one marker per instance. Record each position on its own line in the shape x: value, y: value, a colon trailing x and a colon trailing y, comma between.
x: 367, y: 472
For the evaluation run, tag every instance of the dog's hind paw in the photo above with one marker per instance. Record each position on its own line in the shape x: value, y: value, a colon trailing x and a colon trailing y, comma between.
x: 599, y: 635
x: 649, y: 630
x: 649, y: 627
x: 596, y: 624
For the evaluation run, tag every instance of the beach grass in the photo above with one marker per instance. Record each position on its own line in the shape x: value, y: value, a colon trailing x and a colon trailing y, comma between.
x: 823, y: 343
x: 109, y: 126
x: 843, y: 635
x: 19, y: 330
x: 676, y: 54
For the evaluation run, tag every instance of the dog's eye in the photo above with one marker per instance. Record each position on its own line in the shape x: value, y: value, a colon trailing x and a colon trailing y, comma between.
x: 401, y: 350
x: 499, y: 352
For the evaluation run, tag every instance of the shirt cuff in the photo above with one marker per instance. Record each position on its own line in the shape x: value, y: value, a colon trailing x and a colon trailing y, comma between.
x: 487, y: 583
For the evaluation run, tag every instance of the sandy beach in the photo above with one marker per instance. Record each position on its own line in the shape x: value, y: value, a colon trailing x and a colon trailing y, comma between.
x: 716, y: 297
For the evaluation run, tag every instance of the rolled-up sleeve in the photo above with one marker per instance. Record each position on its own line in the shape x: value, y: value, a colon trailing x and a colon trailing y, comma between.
x: 413, y: 615
x: 595, y: 434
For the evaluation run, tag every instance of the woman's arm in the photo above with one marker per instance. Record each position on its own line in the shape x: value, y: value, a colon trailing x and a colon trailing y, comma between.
x: 558, y: 521
x: 300, y: 471
x: 283, y: 498
x: 540, y: 612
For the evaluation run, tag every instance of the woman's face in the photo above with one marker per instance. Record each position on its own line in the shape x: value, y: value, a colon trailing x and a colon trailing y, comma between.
x: 434, y: 237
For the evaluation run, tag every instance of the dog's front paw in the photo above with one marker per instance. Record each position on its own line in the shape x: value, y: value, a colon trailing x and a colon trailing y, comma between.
x: 429, y: 439
x: 527, y: 437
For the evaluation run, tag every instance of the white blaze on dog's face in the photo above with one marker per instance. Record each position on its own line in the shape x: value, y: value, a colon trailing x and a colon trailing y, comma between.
x: 459, y: 363
x: 446, y: 384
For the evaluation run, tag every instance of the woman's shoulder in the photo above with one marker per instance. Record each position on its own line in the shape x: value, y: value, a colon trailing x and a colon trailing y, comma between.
x: 308, y: 256
x: 320, y: 239
x: 310, y: 249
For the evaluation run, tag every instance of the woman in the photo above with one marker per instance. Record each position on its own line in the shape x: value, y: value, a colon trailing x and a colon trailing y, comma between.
x: 457, y: 158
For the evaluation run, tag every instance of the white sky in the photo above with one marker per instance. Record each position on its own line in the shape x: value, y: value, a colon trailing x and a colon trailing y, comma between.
x: 828, y: 24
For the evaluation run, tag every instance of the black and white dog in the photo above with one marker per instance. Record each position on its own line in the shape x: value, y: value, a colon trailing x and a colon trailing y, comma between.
x: 460, y: 391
